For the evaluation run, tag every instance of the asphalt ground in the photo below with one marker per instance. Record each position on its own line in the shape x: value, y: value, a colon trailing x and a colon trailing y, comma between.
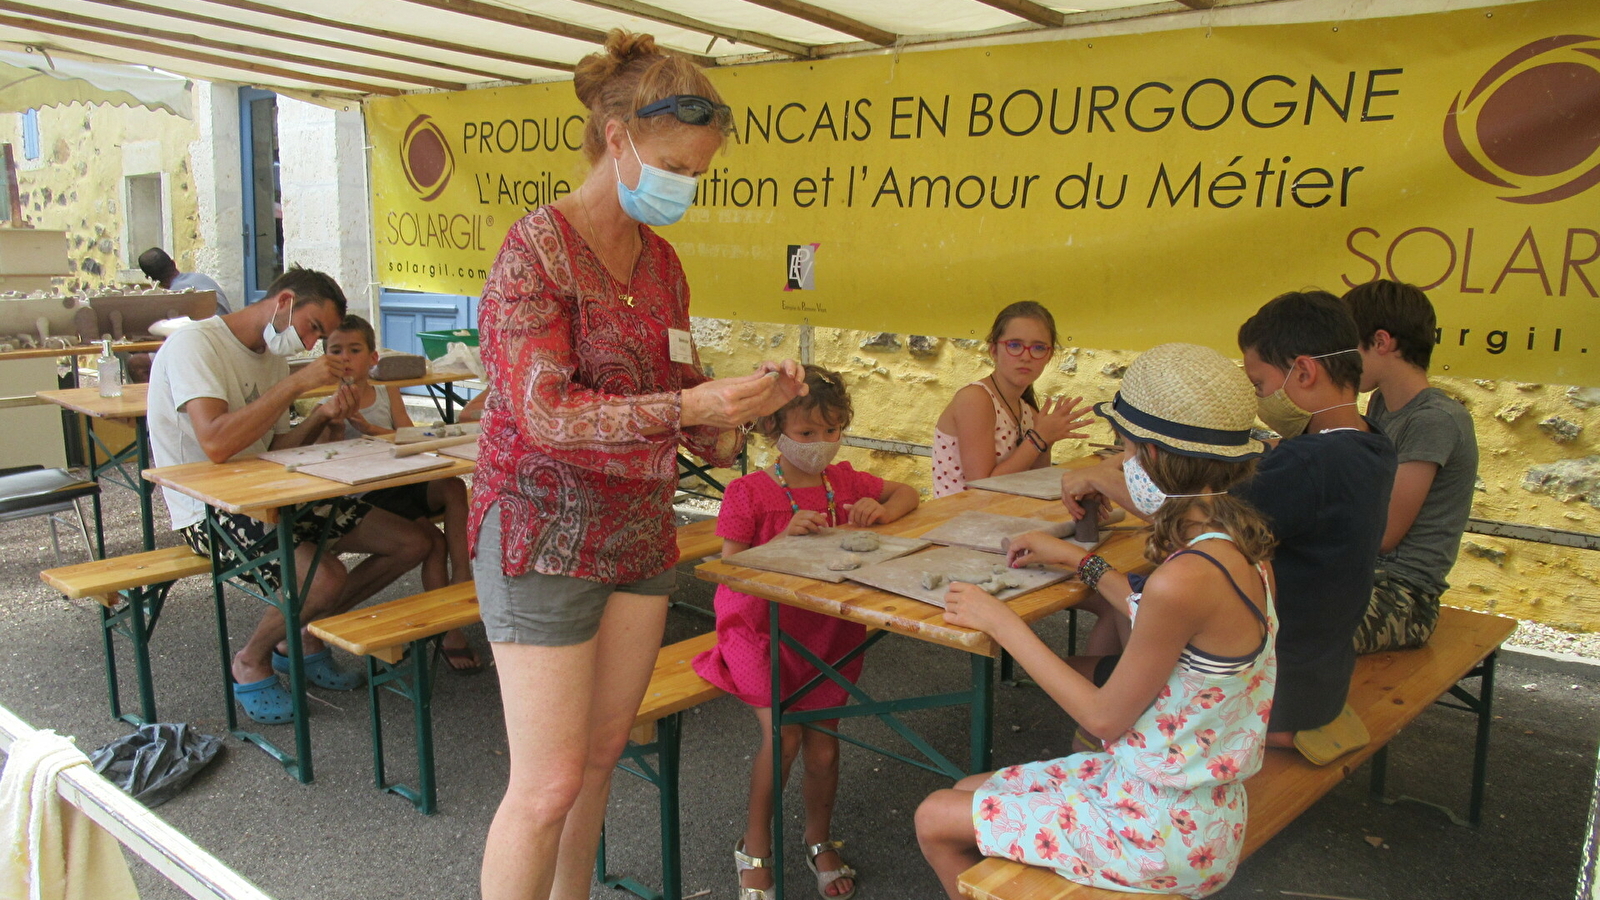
x: 340, y: 838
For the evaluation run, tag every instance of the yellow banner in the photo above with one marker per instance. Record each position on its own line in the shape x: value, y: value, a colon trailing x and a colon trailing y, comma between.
x: 1146, y: 188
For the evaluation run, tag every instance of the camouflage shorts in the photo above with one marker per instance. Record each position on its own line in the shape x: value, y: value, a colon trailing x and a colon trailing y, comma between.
x: 346, y: 513
x: 1400, y: 615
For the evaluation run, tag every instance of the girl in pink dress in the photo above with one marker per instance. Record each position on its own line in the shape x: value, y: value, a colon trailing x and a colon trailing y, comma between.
x: 997, y: 426
x: 802, y: 492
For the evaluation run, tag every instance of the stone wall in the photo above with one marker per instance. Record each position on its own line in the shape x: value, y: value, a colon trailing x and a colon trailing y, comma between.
x: 77, y: 184
x: 1540, y: 463
x: 326, y: 208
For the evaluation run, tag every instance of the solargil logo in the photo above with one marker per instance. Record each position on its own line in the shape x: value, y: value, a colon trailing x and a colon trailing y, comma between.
x: 1531, y: 124
x: 426, y: 158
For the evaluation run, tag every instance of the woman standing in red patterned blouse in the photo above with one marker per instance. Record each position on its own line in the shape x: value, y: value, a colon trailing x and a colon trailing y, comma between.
x: 595, y: 385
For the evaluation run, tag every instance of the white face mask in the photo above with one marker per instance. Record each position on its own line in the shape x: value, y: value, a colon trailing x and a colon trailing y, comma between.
x: 1147, y: 498
x: 283, y: 343
x: 810, y: 457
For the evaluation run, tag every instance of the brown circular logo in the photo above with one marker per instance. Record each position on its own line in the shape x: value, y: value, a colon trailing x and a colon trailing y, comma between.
x: 426, y: 158
x: 1531, y: 125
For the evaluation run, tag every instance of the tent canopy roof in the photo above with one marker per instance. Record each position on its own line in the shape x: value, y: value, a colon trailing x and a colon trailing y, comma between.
x: 341, y: 50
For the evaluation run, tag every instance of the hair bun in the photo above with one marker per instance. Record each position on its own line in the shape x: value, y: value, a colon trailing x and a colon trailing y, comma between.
x: 621, y: 48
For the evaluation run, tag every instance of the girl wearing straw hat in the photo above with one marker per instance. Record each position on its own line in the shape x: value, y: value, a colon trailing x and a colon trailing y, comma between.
x: 1183, y: 715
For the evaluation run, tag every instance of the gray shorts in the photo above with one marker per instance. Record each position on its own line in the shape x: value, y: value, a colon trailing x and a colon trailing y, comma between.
x: 544, y: 610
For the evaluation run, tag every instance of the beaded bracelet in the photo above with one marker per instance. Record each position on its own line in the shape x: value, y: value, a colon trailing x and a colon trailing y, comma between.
x: 1037, y: 442
x: 1092, y: 569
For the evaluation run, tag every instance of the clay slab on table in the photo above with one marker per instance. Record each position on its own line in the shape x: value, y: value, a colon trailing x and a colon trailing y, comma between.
x: 462, y: 451
x: 1044, y: 484
x: 808, y: 555
x: 903, y: 576
x: 373, y: 467
x: 318, y: 453
x: 988, y: 532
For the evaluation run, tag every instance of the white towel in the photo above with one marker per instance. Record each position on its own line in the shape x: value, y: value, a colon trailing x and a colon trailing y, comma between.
x: 52, y: 850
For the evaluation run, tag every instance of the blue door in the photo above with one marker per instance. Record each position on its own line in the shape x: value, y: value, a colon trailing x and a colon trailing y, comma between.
x: 404, y: 313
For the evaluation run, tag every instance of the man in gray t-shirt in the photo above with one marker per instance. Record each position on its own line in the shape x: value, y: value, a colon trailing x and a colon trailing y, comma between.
x: 1438, y: 455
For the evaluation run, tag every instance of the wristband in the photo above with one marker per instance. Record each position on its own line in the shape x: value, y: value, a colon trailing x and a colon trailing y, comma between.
x: 1036, y: 441
x: 1092, y: 569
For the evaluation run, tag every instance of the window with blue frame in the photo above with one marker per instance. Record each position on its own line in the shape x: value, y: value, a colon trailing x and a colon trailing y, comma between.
x: 30, y: 134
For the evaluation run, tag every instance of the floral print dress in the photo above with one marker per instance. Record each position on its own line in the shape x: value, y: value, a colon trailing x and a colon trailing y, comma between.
x: 1162, y: 808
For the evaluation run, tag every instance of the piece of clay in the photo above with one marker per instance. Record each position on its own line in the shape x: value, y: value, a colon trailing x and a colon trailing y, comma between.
x: 292, y: 467
x: 330, y: 454
x: 843, y: 565
x: 860, y: 542
x: 1088, y: 528
x: 932, y: 580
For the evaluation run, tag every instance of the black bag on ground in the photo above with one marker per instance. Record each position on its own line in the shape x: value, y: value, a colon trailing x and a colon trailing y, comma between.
x: 155, y: 763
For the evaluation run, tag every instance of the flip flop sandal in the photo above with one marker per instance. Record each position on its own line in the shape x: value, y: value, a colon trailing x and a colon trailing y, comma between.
x: 466, y: 654
x: 321, y: 671
x: 265, y: 701
x: 825, y: 878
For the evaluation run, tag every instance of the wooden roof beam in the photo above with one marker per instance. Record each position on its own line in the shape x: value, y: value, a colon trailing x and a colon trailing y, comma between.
x: 240, y: 50
x: 515, y: 17
x: 734, y: 35
x: 829, y: 19
x: 1037, y: 13
x: 503, y: 16
x: 178, y: 52
x: 236, y: 25
x: 369, y: 31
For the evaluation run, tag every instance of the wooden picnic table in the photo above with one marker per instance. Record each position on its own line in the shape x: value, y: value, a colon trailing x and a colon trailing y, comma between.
x: 268, y: 492
x: 886, y: 613
x: 133, y: 406
x: 130, y: 407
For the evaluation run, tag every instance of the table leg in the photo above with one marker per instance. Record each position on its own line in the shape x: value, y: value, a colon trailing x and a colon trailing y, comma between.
x: 287, y: 600
x: 982, y: 714
x: 94, y: 475
x: 214, y: 539
x: 145, y: 488
x: 775, y: 641
x: 290, y: 600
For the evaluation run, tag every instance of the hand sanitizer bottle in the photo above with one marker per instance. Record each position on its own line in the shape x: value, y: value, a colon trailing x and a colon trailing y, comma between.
x: 110, y: 369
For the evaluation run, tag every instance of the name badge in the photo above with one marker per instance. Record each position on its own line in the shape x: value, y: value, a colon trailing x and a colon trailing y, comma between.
x: 680, y: 347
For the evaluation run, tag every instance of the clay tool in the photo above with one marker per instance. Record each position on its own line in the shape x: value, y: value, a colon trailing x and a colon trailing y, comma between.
x: 425, y: 446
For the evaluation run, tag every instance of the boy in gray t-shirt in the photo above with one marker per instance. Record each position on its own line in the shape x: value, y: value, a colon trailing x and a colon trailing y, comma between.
x: 1438, y: 453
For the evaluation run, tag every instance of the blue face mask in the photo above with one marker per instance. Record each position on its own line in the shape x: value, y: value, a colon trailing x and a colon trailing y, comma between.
x: 661, y: 198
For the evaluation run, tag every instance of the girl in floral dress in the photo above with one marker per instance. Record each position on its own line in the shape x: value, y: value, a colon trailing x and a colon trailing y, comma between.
x: 1183, y: 712
x: 802, y: 492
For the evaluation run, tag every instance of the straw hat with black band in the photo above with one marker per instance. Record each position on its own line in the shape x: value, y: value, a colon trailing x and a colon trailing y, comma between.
x: 1188, y: 399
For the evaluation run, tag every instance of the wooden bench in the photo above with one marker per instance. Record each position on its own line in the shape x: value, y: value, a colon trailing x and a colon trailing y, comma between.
x: 698, y: 540
x: 395, y: 639
x: 1387, y: 691
x: 674, y: 687
x: 131, y: 591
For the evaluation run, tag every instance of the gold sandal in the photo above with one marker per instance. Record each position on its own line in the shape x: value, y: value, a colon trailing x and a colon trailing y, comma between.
x: 830, y: 876
x: 744, y: 862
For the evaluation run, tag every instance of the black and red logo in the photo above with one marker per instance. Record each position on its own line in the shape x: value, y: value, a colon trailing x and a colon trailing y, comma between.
x: 1531, y: 125
x: 426, y: 158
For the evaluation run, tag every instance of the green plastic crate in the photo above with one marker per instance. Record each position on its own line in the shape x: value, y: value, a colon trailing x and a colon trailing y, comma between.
x: 436, y: 343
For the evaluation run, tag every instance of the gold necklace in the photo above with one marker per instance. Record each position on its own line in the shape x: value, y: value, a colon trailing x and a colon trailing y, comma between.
x: 588, y: 218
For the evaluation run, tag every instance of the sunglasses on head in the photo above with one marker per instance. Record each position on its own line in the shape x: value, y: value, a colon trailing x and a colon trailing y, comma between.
x: 689, y: 109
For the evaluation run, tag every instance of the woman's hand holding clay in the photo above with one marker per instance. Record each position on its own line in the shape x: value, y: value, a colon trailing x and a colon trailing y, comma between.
x: 731, y: 402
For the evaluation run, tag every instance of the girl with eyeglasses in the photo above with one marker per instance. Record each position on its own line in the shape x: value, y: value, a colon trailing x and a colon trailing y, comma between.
x: 595, y: 385
x: 997, y: 426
